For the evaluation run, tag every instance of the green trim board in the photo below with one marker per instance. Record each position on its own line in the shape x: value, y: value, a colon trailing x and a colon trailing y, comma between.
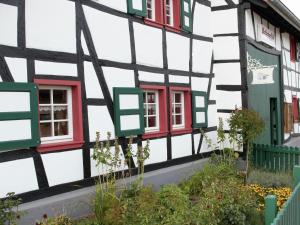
x: 196, y: 109
x: 186, y: 16
x: 136, y: 11
x: 31, y: 115
x: 117, y: 92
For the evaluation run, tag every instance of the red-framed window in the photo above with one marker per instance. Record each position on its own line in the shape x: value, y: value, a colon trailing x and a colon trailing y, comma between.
x: 295, y: 109
x: 180, y: 110
x: 60, y: 114
x: 293, y: 48
x: 155, y: 112
x: 163, y: 13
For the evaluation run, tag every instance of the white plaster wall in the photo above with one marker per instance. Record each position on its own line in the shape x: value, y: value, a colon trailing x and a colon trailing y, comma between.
x: 287, y: 96
x: 199, y: 83
x: 215, y: 3
x: 84, y: 45
x: 285, y: 40
x: 178, y: 79
x: 278, y: 39
x: 181, y: 146
x: 45, y: 28
x: 213, y: 90
x: 100, y: 121
x: 158, y: 151
x: 212, y: 115
x: 148, y: 45
x: 202, y: 20
x: 92, y: 86
x: 197, y: 140
x: 8, y: 25
x: 151, y: 77
x: 226, y: 48
x: 229, y: 99
x: 12, y: 130
x: 285, y: 77
x: 249, y: 24
x: 202, y: 53
x: 17, y: 176
x: 119, y: 5
x: 227, y: 73
x: 178, y: 51
x: 225, y: 21
x: 55, y: 68
x: 18, y: 68
x: 286, y: 58
x: 205, y: 146
x: 118, y: 78
x: 257, y: 20
x: 110, y: 35
x: 63, y: 167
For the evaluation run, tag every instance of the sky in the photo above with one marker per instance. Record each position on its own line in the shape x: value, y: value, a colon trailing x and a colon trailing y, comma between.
x: 293, y: 5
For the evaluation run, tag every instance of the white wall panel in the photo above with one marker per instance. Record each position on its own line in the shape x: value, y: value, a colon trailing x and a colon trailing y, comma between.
x: 226, y: 48
x: 151, y: 77
x: 286, y: 40
x: 218, y: 3
x: 148, y: 45
x: 202, y: 52
x: 213, y: 90
x: 249, y: 24
x: 212, y: 116
x: 100, y: 121
x: 12, y: 130
x: 8, y: 25
x: 158, y: 151
x: 202, y: 20
x: 84, y: 45
x: 257, y: 20
x: 18, y: 68
x: 63, y: 167
x: 227, y: 73
x: 205, y: 146
x: 285, y: 77
x: 110, y: 35
x: 199, y: 84
x: 17, y: 176
x: 115, y: 4
x: 278, y: 39
x: 225, y: 21
x: 229, y: 99
x: 14, y: 101
x: 178, y: 51
x: 55, y: 68
x: 45, y: 28
x: 180, y: 150
x: 288, y: 96
x: 129, y: 101
x: 118, y: 78
x: 197, y: 140
x: 92, y: 86
x: 178, y: 79
x: 130, y: 122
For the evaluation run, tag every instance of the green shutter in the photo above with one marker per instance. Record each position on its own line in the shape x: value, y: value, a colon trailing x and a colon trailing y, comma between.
x: 186, y: 15
x: 199, y: 111
x: 31, y: 115
x: 120, y: 128
x: 137, y: 7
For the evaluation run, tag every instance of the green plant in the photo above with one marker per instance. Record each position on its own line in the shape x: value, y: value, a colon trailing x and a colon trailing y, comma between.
x: 9, y: 209
x: 58, y: 220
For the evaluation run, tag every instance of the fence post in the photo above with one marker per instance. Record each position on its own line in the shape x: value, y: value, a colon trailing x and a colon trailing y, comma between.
x: 270, y: 209
x: 296, y: 175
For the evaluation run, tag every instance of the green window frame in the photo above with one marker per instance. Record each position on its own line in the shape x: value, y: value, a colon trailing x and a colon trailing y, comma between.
x: 196, y: 109
x: 117, y: 92
x: 140, y: 12
x: 31, y: 115
x: 186, y: 12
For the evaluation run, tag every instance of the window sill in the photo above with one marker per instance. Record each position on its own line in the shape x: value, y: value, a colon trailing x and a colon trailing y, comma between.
x: 153, y: 23
x: 154, y: 134
x: 181, y: 131
x: 59, y: 146
x: 174, y: 29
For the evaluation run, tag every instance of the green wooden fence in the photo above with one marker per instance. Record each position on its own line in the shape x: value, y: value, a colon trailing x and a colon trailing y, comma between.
x: 290, y: 214
x: 275, y: 158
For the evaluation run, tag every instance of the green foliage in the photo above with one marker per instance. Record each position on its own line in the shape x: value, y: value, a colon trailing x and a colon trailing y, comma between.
x: 269, y: 179
x: 58, y: 220
x: 9, y: 209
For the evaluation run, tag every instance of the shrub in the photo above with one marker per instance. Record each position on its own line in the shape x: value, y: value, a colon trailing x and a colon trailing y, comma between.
x: 58, y: 220
x: 7, y: 212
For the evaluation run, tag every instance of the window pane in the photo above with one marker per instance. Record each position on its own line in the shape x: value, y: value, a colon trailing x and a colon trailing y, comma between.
x: 60, y: 112
x: 45, y: 112
x: 44, y: 96
x: 177, y: 98
x: 59, y: 96
x: 178, y: 109
x: 151, y: 97
x: 178, y: 119
x: 45, y: 129
x: 152, y: 121
x: 151, y: 109
x: 61, y: 128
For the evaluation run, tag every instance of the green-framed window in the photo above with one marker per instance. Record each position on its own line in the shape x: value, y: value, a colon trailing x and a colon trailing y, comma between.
x: 137, y: 7
x: 18, y: 116
x: 199, y: 106
x: 128, y: 111
x: 186, y: 16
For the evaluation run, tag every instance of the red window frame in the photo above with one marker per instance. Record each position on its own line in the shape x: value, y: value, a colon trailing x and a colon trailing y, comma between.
x: 77, y: 116
x: 293, y: 48
x: 163, y: 127
x: 160, y: 16
x: 295, y: 108
x: 187, y: 110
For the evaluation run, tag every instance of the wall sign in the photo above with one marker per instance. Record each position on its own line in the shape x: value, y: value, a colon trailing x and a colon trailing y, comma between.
x: 265, y: 35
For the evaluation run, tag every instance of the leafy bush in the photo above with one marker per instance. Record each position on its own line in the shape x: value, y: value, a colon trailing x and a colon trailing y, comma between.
x: 58, y: 220
x: 7, y: 212
x: 270, y: 179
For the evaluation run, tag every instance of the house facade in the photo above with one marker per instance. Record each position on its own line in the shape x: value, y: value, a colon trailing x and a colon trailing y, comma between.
x: 156, y: 70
